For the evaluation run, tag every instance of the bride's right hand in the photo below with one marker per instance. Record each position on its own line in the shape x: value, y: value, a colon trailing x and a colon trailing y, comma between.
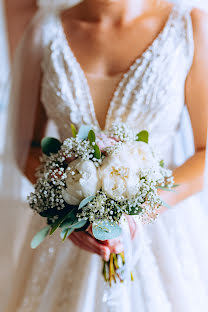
x: 86, y: 241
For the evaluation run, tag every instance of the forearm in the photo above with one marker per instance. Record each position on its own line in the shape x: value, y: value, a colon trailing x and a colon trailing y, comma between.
x: 19, y: 14
x: 32, y: 163
x: 189, y: 176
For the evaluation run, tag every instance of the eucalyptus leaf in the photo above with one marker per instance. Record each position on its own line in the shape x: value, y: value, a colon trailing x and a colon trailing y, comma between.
x: 59, y: 221
x: 143, y: 136
x: 83, y: 132
x: 166, y: 205
x: 83, y: 228
x: 50, y: 145
x: 72, y: 221
x: 91, y: 136
x: 175, y: 185
x: 69, y: 221
x: 76, y: 225
x: 79, y: 224
x: 97, y: 152
x: 39, y: 237
x: 85, y: 201
x: 166, y: 189
x: 104, y: 230
x: 65, y: 233
x: 73, y: 130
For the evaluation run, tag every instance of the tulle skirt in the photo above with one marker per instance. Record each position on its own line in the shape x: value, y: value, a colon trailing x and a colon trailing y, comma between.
x: 171, y: 273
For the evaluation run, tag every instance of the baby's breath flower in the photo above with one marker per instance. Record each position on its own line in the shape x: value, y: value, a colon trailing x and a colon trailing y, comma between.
x: 122, y: 132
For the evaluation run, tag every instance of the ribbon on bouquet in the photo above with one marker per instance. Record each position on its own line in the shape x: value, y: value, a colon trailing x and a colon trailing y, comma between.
x: 117, y: 297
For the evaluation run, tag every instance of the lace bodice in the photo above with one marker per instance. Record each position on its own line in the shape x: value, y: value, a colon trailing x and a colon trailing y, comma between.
x: 150, y: 95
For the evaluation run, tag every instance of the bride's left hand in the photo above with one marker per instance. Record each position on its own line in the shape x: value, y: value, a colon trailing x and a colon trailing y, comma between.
x: 86, y: 241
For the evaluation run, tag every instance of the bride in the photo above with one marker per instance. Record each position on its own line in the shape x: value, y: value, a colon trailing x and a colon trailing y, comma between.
x: 100, y: 61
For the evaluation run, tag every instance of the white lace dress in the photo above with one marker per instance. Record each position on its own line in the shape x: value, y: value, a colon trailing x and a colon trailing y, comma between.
x: 172, y: 272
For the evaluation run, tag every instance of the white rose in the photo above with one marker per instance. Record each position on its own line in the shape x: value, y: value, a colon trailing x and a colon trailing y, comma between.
x: 118, y: 175
x: 82, y: 181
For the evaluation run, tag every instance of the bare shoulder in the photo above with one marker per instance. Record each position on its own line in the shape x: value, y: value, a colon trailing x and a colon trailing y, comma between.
x: 199, y: 17
x: 200, y: 29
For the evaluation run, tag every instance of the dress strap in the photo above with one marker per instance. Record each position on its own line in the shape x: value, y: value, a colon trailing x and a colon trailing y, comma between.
x: 185, y: 27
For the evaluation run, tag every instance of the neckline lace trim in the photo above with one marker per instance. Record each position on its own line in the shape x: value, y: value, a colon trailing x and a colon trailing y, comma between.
x: 124, y: 77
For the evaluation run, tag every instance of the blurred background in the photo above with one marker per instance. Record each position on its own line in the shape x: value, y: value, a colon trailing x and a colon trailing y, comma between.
x: 4, y: 70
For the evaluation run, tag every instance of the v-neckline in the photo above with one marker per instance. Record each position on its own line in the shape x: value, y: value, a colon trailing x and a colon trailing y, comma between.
x: 123, y: 75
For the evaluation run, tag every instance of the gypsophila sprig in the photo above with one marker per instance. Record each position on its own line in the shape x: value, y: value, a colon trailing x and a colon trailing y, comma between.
x: 76, y: 148
x: 122, y: 132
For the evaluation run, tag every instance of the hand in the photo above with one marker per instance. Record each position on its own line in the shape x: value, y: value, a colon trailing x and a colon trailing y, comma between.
x: 86, y: 241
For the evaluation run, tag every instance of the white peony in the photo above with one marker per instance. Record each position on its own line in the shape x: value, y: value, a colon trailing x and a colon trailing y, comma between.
x: 141, y: 154
x: 119, y: 172
x: 145, y: 159
x: 82, y: 181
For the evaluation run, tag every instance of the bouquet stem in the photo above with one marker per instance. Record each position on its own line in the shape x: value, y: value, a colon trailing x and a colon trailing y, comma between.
x: 114, y: 269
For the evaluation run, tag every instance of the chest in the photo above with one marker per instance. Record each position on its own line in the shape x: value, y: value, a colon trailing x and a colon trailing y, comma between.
x: 109, y: 50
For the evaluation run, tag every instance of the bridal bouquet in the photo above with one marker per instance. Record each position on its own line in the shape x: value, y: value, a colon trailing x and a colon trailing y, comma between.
x: 96, y: 179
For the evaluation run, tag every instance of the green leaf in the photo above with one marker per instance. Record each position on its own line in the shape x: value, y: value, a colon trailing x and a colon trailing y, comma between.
x: 175, y: 185
x: 83, y: 132
x: 65, y: 233
x: 104, y: 230
x: 97, y: 153
x: 74, y: 131
x: 39, y: 237
x: 166, y: 205
x: 85, y: 201
x: 135, y: 211
x: 84, y: 228
x: 69, y: 220
x: 73, y: 223
x: 143, y: 136
x: 59, y: 221
x: 91, y: 137
x: 162, y: 164
x: 50, y: 145
x: 165, y: 189
x: 48, y: 213
x: 79, y: 224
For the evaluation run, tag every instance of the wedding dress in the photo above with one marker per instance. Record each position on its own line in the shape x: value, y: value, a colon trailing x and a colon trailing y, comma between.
x: 171, y: 274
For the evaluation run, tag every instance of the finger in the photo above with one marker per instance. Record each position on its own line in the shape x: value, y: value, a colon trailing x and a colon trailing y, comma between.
x: 104, y: 251
x: 79, y: 242
x: 118, y: 248
x: 115, y: 245
x: 96, y: 248
x: 89, y: 243
x: 76, y: 242
x: 111, y: 242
